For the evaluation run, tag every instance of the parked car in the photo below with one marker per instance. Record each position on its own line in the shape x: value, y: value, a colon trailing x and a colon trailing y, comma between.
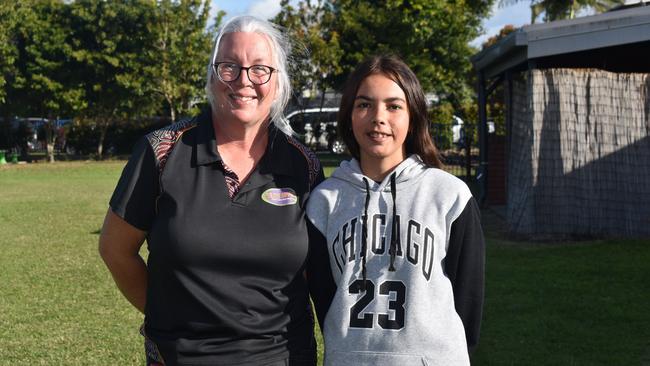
x: 317, y: 128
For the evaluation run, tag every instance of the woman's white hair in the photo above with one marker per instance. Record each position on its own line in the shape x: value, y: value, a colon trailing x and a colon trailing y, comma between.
x: 280, y: 48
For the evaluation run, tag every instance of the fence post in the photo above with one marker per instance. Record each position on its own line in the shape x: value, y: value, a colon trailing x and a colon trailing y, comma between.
x: 482, y: 171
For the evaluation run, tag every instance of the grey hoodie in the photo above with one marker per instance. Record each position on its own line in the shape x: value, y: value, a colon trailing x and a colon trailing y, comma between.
x: 422, y: 304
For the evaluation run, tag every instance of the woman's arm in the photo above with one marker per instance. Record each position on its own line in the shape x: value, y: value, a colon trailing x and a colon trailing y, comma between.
x: 119, y: 247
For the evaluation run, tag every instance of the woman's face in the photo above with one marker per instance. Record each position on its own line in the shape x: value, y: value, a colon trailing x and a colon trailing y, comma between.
x: 380, y: 120
x: 241, y: 100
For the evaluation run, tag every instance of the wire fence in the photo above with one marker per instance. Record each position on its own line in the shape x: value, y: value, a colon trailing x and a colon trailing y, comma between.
x: 459, y: 152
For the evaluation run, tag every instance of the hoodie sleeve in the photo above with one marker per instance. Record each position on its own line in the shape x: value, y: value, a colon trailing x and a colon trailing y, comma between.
x: 319, y: 273
x: 465, y: 266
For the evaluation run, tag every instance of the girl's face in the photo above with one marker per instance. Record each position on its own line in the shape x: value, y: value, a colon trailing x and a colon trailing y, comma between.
x: 380, y: 121
x: 241, y: 100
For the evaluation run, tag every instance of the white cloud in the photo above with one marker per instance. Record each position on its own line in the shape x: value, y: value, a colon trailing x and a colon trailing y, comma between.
x: 264, y: 9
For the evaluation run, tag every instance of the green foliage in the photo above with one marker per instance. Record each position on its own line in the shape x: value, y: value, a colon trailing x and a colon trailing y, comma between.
x: 36, y: 71
x: 8, y: 51
x: 317, y: 50
x: 103, y: 62
x: 431, y: 36
x: 503, y: 32
x: 180, y: 53
x: 8, y: 72
x: 441, y: 117
x: 133, y: 56
x: 108, y: 53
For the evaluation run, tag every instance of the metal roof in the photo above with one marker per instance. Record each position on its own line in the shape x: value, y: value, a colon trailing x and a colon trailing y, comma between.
x: 613, y: 28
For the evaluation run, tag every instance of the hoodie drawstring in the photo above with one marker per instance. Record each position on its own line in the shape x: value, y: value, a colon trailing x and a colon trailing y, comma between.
x: 394, y: 237
x: 364, y: 233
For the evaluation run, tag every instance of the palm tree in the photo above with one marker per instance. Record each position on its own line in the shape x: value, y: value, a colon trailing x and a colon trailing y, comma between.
x: 563, y: 9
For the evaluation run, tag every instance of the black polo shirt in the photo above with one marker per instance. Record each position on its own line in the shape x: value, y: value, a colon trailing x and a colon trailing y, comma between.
x: 225, y: 282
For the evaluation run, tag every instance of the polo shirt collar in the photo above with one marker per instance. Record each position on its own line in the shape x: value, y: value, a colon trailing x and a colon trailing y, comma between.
x: 205, y: 141
x: 277, y: 158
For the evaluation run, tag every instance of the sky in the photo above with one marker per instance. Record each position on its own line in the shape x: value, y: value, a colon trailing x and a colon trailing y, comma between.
x: 517, y: 14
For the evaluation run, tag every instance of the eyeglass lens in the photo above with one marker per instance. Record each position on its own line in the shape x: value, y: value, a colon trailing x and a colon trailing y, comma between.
x: 257, y: 74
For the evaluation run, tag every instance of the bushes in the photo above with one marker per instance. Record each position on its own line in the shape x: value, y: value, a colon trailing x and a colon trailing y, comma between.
x: 441, y: 117
x: 82, y: 136
x: 79, y: 138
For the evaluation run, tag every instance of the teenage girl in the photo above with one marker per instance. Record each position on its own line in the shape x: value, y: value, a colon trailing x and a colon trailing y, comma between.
x: 403, y: 237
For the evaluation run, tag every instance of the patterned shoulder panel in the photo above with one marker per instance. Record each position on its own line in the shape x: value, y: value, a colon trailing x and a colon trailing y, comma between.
x: 313, y: 164
x: 163, y: 140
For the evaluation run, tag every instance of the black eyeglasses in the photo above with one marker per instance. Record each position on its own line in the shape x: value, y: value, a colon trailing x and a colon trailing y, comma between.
x: 257, y: 74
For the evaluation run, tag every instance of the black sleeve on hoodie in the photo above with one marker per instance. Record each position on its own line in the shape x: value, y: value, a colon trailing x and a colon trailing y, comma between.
x: 465, y: 267
x: 319, y: 273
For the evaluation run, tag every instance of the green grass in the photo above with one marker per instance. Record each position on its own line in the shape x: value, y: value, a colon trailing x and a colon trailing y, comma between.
x: 58, y: 305
x: 572, y: 304
x: 585, y: 303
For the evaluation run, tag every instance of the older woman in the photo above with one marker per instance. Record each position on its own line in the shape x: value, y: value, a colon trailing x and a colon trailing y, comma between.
x: 219, y: 199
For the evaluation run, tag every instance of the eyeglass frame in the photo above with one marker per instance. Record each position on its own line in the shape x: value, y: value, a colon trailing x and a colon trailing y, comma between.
x: 215, y: 69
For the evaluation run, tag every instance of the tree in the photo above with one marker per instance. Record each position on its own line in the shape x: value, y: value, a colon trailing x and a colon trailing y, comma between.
x: 8, y: 51
x: 503, y: 32
x: 432, y: 36
x: 8, y: 56
x: 181, y: 52
x: 39, y: 74
x: 563, y: 9
x: 317, y: 58
x: 111, y: 54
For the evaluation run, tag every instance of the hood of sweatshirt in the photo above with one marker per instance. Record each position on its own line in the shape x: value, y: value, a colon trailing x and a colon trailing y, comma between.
x: 404, y: 174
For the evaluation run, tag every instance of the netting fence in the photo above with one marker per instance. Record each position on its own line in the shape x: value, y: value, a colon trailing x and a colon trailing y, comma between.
x: 579, y: 157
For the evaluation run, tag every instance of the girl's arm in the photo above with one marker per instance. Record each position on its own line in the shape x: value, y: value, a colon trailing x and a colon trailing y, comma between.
x: 319, y: 274
x: 465, y: 266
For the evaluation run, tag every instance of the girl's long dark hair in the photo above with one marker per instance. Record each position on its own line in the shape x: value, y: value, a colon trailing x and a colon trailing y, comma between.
x: 418, y: 140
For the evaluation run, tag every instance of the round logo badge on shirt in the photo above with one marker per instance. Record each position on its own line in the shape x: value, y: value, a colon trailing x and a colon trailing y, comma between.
x: 280, y: 196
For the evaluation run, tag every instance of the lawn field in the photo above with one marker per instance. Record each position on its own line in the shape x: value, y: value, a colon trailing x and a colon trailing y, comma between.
x: 584, y: 303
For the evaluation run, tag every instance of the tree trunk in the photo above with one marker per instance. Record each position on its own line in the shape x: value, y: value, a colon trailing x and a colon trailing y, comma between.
x: 50, y: 136
x: 102, y: 137
x: 6, y: 133
x: 468, y: 152
x: 172, y: 110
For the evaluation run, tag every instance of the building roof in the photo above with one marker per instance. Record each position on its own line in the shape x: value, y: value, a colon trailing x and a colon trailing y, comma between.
x: 538, y: 41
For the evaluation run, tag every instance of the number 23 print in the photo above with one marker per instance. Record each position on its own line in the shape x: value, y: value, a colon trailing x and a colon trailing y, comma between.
x: 366, y: 320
